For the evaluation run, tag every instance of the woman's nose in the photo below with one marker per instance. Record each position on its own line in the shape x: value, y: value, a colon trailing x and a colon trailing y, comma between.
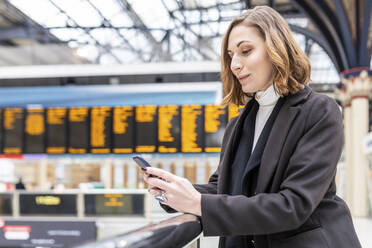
x: 236, y: 65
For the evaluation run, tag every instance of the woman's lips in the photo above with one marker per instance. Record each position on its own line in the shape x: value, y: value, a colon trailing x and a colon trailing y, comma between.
x: 243, y: 77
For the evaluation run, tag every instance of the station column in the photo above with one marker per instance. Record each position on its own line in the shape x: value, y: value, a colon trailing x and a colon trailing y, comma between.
x: 344, y: 97
x: 358, y: 88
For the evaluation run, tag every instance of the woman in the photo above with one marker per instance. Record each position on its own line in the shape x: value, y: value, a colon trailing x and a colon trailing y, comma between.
x: 275, y: 184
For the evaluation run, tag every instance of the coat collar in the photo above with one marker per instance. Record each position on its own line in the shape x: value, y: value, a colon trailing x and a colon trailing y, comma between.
x: 274, y: 143
x: 300, y: 96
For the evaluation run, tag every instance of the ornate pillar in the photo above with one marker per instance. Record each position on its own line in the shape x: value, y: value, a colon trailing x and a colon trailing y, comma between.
x: 344, y: 97
x: 359, y: 88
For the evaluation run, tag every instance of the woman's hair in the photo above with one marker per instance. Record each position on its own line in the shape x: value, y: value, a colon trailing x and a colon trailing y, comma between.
x: 291, y: 67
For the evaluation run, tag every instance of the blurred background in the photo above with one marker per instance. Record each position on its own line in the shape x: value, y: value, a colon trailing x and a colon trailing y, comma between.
x: 87, y: 84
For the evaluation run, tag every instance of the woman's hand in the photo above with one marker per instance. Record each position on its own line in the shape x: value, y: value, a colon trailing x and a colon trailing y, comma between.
x: 180, y: 193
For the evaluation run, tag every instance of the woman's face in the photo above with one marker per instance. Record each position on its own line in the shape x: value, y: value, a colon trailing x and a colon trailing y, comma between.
x: 250, y: 62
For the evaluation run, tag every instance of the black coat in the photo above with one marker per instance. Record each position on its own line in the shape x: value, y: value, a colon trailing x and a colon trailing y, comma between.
x: 294, y: 204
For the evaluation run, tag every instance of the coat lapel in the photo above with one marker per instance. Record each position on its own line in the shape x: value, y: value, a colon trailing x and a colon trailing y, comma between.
x: 277, y: 137
x: 274, y: 146
x: 231, y: 144
x: 255, y: 158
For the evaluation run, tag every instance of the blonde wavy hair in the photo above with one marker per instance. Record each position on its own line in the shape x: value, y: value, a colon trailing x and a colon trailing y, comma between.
x: 290, y: 64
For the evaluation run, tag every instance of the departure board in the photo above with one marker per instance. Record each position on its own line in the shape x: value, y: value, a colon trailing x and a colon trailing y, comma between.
x: 13, y: 126
x: 192, y: 128
x: 215, y: 120
x: 146, y: 128
x: 35, y: 131
x: 6, y: 204
x: 56, y: 121
x: 234, y: 110
x: 100, y: 129
x: 169, y: 129
x: 114, y: 204
x: 78, y: 129
x: 123, y: 129
x: 119, y: 129
x: 47, y: 204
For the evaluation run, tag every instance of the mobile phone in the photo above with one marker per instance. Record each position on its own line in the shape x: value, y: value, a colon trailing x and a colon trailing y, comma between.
x: 141, y: 162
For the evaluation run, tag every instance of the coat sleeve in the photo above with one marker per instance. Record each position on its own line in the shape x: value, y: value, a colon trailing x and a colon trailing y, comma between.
x: 309, y: 174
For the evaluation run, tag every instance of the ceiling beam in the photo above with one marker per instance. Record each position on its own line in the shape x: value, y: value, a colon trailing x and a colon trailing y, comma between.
x: 23, y: 25
x: 364, y: 54
x: 108, y: 23
x: 325, y: 25
x: 127, y: 8
x: 97, y: 43
x: 181, y: 37
x: 318, y: 39
x: 345, y: 33
x: 157, y: 48
x: 25, y: 32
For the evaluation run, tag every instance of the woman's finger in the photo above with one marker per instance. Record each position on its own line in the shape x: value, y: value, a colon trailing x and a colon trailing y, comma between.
x: 169, y: 177
x: 160, y: 173
x: 154, y: 188
x: 145, y: 177
x: 154, y: 191
x: 161, y: 184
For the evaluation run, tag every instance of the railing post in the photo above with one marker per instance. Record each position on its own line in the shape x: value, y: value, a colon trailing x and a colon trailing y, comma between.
x: 125, y: 175
x: 80, y: 205
x: 15, y: 204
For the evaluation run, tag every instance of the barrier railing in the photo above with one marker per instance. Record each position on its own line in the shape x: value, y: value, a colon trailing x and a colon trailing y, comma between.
x: 179, y: 231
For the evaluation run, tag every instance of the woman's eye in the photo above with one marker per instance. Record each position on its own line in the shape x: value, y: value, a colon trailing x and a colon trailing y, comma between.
x: 246, y: 51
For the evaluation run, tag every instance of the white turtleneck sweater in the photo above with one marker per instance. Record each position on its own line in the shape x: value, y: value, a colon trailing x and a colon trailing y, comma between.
x: 267, y: 100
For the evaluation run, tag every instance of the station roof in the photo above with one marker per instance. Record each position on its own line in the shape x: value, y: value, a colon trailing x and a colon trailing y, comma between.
x: 137, y: 31
x: 23, y: 41
x: 127, y: 31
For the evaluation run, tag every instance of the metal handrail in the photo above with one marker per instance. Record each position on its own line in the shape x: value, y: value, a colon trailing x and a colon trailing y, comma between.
x: 175, y: 232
